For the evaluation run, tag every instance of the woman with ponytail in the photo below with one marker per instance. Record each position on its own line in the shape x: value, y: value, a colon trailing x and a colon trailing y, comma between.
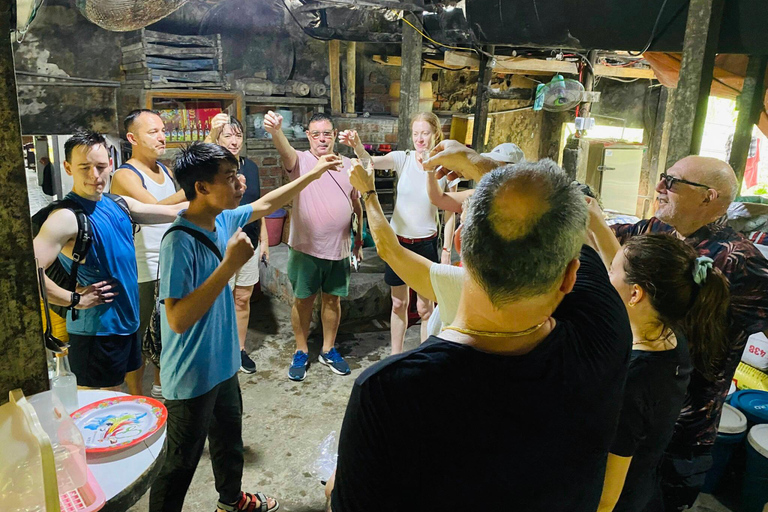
x: 677, y: 305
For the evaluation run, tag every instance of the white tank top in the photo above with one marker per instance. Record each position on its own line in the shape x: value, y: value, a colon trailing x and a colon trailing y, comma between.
x: 147, y: 240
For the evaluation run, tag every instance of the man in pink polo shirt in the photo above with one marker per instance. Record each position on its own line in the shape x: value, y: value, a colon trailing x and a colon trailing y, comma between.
x: 321, y: 222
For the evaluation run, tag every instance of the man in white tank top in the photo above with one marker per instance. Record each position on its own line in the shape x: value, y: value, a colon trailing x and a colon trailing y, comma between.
x: 147, y: 180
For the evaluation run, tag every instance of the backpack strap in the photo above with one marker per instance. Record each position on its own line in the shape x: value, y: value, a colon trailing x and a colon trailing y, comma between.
x: 199, y: 236
x: 136, y: 171
x: 83, y: 239
x: 124, y: 206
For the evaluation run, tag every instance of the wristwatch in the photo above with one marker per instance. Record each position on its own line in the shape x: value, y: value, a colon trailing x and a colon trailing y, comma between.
x: 75, y: 300
x: 368, y: 194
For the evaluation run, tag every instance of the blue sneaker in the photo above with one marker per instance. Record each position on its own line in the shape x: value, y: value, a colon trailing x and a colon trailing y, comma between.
x: 335, y: 362
x: 298, y: 369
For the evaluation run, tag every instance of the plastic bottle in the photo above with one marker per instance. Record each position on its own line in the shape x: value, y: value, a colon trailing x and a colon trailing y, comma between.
x: 64, y: 384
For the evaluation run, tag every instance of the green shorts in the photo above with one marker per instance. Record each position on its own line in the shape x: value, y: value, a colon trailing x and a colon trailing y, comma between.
x: 309, y: 274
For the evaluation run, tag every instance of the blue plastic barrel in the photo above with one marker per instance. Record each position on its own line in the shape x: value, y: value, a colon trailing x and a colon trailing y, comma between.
x: 754, y: 490
x: 753, y: 403
x: 730, y: 433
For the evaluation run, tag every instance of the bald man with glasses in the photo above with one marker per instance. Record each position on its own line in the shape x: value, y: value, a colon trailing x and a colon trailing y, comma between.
x: 693, y: 197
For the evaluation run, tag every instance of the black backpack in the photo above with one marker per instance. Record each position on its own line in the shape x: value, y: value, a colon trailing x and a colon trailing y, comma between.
x: 56, y: 272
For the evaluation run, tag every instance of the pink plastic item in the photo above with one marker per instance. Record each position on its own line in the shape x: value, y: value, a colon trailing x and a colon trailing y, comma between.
x: 87, y: 498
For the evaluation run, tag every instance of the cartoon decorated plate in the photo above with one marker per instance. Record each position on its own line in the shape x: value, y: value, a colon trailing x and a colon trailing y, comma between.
x: 117, y: 423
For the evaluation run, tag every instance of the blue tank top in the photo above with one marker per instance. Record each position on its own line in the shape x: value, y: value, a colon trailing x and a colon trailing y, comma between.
x: 111, y: 256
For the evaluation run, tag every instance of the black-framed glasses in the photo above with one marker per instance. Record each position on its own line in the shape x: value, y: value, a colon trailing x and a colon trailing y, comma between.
x: 669, y: 182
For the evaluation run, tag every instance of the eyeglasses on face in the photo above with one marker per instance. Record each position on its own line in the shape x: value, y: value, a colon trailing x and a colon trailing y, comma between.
x: 669, y: 182
x: 326, y: 134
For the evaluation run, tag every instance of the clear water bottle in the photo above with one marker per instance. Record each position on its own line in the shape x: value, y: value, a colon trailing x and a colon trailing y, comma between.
x: 64, y: 384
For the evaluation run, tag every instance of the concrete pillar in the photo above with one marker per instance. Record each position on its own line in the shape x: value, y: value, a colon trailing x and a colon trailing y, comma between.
x: 750, y: 105
x: 23, y: 362
x: 692, y: 94
x: 410, y: 80
x: 483, y: 99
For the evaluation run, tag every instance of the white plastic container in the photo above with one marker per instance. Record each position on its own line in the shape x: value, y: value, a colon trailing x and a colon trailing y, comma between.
x: 66, y: 441
x: 756, y: 352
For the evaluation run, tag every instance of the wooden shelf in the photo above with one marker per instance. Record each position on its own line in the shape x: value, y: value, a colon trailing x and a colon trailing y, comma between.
x: 284, y: 101
x: 256, y: 144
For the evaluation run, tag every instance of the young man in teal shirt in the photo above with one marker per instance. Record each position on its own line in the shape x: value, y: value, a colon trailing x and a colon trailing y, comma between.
x: 202, y: 250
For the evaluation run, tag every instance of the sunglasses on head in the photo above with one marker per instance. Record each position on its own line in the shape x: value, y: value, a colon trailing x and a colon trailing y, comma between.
x: 669, y: 182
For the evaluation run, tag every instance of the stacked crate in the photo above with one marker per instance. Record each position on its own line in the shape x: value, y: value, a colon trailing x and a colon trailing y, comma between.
x: 155, y: 60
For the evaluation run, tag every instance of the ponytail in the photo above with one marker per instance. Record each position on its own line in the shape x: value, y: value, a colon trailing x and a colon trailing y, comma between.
x: 705, y: 324
x: 687, y: 293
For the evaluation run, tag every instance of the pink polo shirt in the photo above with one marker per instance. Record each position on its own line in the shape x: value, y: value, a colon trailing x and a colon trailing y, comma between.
x: 321, y: 218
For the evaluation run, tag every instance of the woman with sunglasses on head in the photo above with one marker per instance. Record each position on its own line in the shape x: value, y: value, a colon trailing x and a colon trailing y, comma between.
x: 677, y: 305
x: 415, y: 219
x: 227, y: 131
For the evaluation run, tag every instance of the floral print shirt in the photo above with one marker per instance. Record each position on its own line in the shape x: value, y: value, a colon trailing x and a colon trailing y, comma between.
x: 747, y: 271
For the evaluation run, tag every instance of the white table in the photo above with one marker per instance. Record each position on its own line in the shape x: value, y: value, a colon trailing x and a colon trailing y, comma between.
x: 125, y: 475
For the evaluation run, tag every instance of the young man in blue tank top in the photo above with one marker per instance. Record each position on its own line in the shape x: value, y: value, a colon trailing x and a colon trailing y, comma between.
x: 104, y: 346
x: 147, y: 180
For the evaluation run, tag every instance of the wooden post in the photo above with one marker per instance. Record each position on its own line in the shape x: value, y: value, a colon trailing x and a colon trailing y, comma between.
x: 692, y: 94
x: 483, y: 92
x: 23, y: 362
x: 655, y: 154
x: 589, y: 81
x: 349, y: 94
x: 410, y: 80
x: 749, y: 103
x: 334, y: 64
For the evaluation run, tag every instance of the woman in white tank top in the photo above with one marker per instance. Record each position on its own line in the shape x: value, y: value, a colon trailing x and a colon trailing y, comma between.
x: 415, y: 219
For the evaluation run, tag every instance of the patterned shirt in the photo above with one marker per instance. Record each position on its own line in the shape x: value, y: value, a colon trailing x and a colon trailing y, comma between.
x: 747, y: 272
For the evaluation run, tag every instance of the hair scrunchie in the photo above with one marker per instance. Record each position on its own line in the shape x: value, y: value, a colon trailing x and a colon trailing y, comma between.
x: 701, y: 266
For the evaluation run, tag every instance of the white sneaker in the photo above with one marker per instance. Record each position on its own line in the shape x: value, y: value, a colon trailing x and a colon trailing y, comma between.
x: 157, y: 392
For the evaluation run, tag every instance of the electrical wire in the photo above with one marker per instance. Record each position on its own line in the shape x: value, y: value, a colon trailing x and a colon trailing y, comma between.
x: 425, y: 36
x: 441, y: 66
x: 653, y: 32
x: 622, y: 80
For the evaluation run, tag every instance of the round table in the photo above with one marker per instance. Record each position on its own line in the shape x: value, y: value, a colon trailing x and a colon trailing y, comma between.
x: 125, y: 475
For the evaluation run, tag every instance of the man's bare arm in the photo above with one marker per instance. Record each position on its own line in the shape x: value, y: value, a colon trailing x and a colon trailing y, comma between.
x: 56, y: 234
x: 273, y: 124
x: 153, y: 213
x: 127, y: 184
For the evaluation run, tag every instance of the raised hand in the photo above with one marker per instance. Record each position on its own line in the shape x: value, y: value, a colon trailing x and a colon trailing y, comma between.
x: 96, y: 294
x: 361, y: 178
x: 217, y: 124
x: 349, y: 138
x: 455, y: 160
x: 241, y: 177
x: 328, y: 162
x: 596, y: 217
x: 273, y: 123
x: 239, y: 249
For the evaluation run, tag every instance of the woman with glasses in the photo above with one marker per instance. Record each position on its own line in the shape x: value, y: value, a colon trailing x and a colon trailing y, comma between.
x: 227, y: 131
x: 414, y: 219
x: 677, y: 305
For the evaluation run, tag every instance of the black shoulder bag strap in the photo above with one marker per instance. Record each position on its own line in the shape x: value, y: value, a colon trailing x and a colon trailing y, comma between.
x: 200, y: 238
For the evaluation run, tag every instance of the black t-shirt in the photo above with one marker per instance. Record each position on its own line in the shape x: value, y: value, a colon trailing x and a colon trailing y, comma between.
x: 447, y: 427
x: 252, y: 192
x: 653, y: 397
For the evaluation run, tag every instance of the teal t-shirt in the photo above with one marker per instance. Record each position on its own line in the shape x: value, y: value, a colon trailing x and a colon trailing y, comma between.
x: 111, y: 256
x: 208, y: 353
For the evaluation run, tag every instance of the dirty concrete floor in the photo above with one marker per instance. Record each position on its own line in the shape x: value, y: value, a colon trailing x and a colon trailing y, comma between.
x: 284, y: 422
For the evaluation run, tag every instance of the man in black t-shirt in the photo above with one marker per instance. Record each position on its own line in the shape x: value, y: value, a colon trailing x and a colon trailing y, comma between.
x: 515, y: 405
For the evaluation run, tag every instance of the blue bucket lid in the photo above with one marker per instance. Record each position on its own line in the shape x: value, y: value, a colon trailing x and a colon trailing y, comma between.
x: 753, y: 403
x: 277, y: 214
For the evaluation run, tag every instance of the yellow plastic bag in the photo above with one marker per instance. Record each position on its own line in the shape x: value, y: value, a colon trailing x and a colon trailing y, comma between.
x: 58, y: 325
